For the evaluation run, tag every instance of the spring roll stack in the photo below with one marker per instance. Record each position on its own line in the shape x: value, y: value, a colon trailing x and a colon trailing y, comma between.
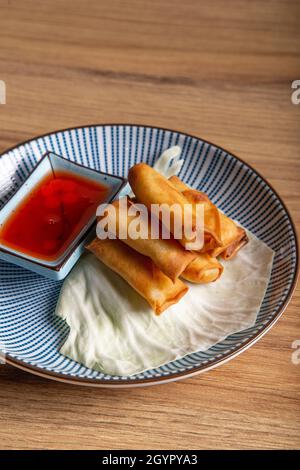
x: 154, y: 266
x: 233, y: 237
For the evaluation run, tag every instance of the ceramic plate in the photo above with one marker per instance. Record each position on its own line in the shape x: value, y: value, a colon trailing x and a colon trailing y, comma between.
x: 30, y: 335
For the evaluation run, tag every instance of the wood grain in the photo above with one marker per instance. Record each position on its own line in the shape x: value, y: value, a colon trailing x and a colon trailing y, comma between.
x: 221, y: 70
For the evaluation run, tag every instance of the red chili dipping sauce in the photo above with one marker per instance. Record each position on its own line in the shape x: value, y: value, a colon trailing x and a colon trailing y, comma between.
x: 52, y: 215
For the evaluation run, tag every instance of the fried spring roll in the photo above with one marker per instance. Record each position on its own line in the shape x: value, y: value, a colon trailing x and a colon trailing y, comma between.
x: 150, y: 187
x: 233, y: 237
x: 168, y: 255
x: 203, y: 269
x: 234, y: 246
x: 212, y: 219
x: 140, y: 272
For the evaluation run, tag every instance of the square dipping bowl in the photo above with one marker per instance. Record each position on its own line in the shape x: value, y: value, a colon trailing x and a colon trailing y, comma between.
x: 59, y: 267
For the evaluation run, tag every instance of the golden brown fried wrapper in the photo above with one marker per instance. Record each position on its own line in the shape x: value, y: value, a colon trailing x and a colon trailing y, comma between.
x: 168, y: 255
x: 203, y: 269
x: 150, y: 187
x: 232, y: 237
x: 140, y: 272
x: 212, y: 222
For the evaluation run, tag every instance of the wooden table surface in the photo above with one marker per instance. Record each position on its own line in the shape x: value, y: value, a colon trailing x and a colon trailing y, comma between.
x: 221, y: 70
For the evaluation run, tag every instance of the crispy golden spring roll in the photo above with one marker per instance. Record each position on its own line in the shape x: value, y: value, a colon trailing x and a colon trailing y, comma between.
x: 168, y: 255
x: 233, y: 237
x: 212, y: 222
x: 240, y: 240
x: 140, y: 272
x: 181, y: 186
x: 150, y: 187
x: 203, y: 269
